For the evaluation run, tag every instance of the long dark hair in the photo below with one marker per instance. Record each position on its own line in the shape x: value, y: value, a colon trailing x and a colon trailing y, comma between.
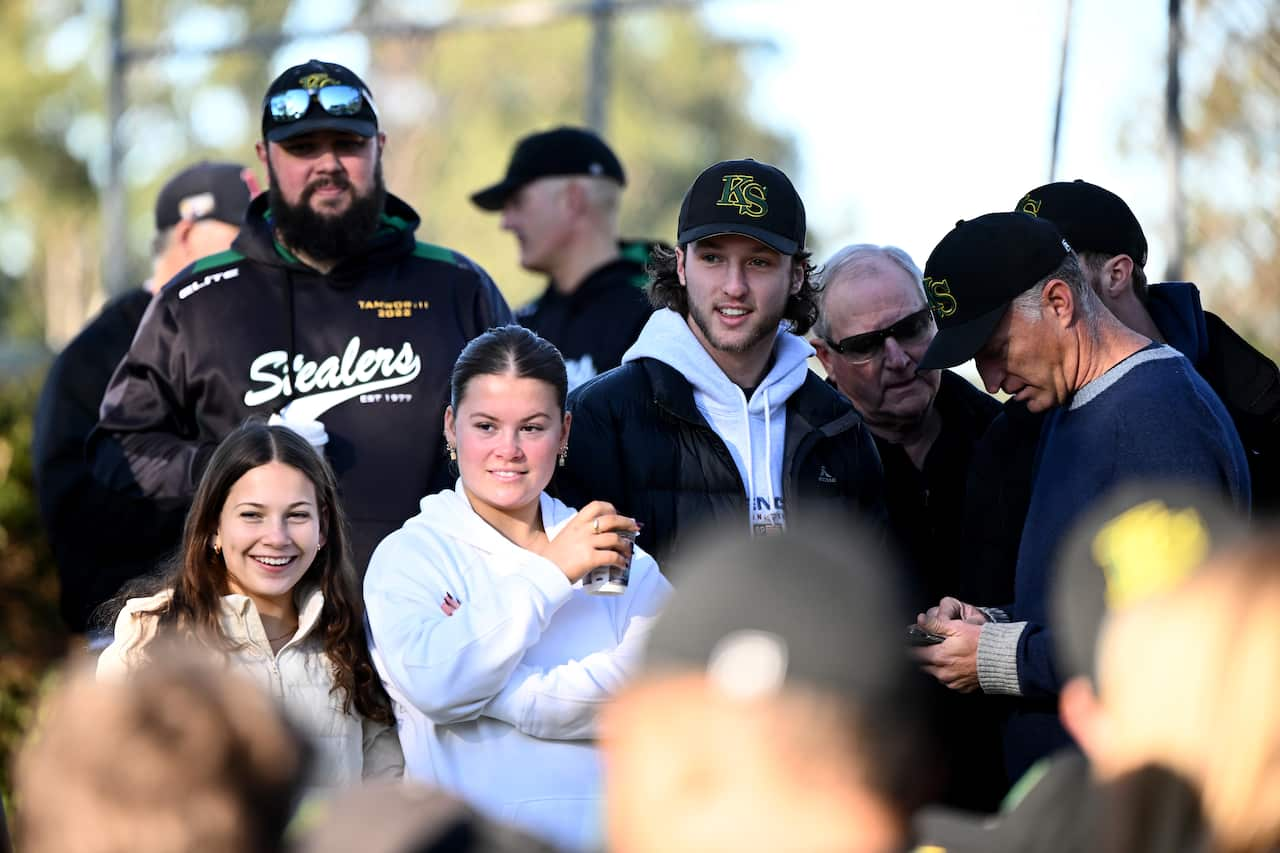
x: 198, y: 574
x: 666, y: 291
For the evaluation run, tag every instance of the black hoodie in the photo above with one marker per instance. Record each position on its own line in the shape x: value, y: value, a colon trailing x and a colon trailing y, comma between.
x: 366, y: 349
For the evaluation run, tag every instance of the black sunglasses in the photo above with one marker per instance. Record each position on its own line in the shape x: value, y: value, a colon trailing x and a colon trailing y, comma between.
x: 292, y: 104
x: 863, y: 347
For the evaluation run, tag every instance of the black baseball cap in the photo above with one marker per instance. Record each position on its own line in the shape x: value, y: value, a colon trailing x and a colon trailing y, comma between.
x: 744, y: 197
x: 559, y: 152
x: 976, y: 271
x: 311, y: 77
x: 812, y: 608
x: 1139, y: 540
x: 1092, y: 219
x: 206, y: 190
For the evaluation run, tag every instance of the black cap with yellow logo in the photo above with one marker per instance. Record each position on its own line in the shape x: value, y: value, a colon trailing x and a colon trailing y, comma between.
x: 1093, y: 219
x: 317, y: 96
x: 1141, y: 539
x: 744, y: 197
x: 976, y: 271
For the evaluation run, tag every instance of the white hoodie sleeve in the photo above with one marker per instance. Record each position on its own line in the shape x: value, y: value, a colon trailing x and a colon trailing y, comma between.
x: 449, y: 667
x: 560, y: 703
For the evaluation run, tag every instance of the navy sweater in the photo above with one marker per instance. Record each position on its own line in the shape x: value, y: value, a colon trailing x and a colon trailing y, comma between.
x: 1150, y: 416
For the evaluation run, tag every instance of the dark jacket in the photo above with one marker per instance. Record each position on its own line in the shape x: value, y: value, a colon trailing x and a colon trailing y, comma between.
x: 930, y: 519
x: 639, y: 442
x: 1058, y: 807
x: 927, y: 508
x: 593, y: 326
x: 1247, y: 382
x: 366, y: 349
x: 83, y: 520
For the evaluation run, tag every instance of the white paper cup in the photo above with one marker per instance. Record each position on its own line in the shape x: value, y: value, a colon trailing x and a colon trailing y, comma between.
x: 609, y: 580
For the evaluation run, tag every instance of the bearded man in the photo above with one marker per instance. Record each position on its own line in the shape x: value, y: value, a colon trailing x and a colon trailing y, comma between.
x: 326, y: 312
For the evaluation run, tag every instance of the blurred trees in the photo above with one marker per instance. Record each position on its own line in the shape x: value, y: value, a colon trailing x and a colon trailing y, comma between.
x: 1233, y: 164
x: 453, y: 108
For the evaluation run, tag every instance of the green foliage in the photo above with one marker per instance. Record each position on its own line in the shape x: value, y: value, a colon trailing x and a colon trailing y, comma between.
x: 679, y: 102
x: 1233, y: 148
x: 31, y: 632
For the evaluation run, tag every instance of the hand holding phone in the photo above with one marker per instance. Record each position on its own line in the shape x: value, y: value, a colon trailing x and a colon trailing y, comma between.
x: 918, y: 636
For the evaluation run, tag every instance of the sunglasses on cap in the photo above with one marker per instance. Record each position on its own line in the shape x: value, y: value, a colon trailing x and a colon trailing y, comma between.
x: 292, y: 104
x: 863, y: 347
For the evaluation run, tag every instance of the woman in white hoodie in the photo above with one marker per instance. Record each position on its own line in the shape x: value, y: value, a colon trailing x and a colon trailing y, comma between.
x: 495, y: 656
x: 263, y: 578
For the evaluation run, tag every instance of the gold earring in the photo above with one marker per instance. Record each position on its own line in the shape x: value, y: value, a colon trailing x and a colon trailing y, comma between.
x: 217, y: 549
x: 453, y: 452
x: 564, y: 454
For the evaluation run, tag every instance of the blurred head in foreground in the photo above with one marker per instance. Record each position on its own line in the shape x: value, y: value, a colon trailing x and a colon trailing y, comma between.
x: 778, y: 708
x: 183, y: 757
x: 1191, y: 680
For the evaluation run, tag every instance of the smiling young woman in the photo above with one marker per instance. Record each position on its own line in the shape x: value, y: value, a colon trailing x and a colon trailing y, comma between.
x: 264, y: 578
x: 496, y: 655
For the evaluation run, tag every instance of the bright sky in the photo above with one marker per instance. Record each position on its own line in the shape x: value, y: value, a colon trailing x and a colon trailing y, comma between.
x: 910, y: 115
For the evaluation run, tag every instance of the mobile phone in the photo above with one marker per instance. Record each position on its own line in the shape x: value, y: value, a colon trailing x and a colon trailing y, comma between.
x: 917, y: 636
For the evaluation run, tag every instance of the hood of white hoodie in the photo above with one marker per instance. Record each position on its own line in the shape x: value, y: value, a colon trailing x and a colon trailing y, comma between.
x: 753, y: 429
x: 449, y: 513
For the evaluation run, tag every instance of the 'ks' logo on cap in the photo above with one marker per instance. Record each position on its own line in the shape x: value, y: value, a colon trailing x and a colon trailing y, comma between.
x: 742, y: 192
x: 940, y: 298
x: 1030, y: 205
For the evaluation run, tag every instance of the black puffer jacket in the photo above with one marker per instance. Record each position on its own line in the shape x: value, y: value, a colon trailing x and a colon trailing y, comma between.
x: 639, y: 442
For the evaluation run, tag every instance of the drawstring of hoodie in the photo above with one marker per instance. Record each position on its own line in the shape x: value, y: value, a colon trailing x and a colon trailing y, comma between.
x: 748, y: 458
x: 768, y: 451
x: 749, y: 455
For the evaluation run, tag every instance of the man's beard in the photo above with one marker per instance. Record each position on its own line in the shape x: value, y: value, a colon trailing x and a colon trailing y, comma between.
x: 327, y: 237
x: 764, y: 328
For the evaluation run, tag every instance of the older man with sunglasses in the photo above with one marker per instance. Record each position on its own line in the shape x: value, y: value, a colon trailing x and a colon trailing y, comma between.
x: 327, y: 313
x: 873, y: 327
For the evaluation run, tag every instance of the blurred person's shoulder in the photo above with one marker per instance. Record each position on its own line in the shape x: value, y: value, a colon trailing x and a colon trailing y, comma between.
x: 395, y: 817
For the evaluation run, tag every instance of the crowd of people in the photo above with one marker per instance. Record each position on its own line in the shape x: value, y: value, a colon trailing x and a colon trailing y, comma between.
x: 376, y: 563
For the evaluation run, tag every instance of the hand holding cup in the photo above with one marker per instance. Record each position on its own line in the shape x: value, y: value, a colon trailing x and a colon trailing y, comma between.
x: 597, y: 536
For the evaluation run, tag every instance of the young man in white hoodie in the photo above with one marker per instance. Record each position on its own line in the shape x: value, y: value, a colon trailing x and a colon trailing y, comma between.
x: 714, y: 414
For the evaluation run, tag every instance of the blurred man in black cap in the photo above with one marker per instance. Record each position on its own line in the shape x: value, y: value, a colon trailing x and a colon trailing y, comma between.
x: 327, y: 313
x: 100, y: 541
x: 1007, y: 291
x: 1113, y: 253
x: 777, y: 710
x: 714, y: 414
x: 560, y: 199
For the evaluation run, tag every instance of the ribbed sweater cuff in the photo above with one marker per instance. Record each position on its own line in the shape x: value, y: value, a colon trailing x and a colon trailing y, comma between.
x: 998, y: 657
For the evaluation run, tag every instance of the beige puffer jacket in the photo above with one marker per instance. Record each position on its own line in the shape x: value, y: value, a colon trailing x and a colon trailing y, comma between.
x: 348, y: 746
